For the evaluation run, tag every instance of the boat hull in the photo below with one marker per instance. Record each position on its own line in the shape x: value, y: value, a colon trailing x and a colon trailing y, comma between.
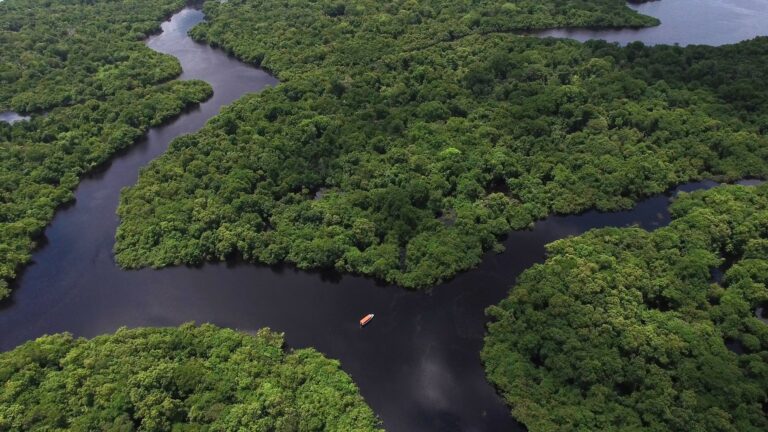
x: 365, y: 320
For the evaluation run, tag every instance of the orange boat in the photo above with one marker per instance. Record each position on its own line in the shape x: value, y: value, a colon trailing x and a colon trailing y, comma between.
x: 366, y: 319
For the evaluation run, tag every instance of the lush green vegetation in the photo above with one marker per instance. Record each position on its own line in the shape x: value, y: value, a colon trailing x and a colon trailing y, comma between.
x: 623, y: 329
x: 290, y: 38
x: 85, y: 64
x: 408, y: 137
x: 181, y: 379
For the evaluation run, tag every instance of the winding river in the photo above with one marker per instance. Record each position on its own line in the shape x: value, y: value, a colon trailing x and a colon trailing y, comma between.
x: 417, y: 364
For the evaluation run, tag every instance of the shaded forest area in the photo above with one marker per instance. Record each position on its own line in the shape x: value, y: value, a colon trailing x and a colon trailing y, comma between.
x: 408, y: 137
x: 181, y: 379
x: 92, y: 87
x: 623, y: 329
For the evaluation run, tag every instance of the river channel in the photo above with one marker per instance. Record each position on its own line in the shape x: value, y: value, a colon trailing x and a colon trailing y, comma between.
x: 685, y: 22
x: 417, y: 364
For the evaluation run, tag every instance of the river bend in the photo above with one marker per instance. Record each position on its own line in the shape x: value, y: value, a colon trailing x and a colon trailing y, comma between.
x: 417, y: 364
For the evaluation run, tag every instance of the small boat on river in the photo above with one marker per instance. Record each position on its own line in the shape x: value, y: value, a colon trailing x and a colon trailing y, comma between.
x: 365, y: 320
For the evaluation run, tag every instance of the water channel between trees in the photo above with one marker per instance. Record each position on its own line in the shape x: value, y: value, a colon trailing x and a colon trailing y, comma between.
x: 417, y: 364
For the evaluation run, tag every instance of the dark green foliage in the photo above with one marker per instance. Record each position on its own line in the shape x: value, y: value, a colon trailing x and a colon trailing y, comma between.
x: 294, y: 37
x: 84, y: 63
x: 623, y: 329
x: 176, y: 379
x: 430, y: 136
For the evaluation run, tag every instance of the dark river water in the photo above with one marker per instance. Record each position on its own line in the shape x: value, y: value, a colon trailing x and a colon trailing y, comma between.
x: 417, y: 363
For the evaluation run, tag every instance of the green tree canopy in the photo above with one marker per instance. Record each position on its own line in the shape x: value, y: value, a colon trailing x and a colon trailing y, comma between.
x: 437, y: 129
x: 623, y: 329
x: 176, y: 379
x: 84, y: 63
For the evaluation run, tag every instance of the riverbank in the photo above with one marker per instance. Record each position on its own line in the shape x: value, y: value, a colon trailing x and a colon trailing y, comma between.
x: 709, y: 22
x: 417, y: 364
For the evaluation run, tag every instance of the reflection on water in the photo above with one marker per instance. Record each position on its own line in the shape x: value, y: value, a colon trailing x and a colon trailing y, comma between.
x: 12, y: 117
x: 686, y: 22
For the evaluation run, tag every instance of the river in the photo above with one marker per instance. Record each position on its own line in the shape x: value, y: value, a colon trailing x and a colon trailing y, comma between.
x: 12, y: 117
x: 417, y: 364
x: 686, y: 22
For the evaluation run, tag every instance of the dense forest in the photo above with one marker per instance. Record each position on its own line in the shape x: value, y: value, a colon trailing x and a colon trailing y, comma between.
x: 181, y: 379
x: 92, y: 87
x: 623, y: 329
x: 408, y: 137
x: 405, y: 140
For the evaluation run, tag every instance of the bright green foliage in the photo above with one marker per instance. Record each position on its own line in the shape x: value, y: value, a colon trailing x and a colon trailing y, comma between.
x: 176, y: 379
x: 84, y: 63
x: 429, y: 136
x: 292, y: 37
x: 624, y: 330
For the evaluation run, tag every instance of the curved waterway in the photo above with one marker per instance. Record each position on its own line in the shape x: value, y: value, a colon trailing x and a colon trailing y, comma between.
x: 417, y: 363
x: 685, y: 22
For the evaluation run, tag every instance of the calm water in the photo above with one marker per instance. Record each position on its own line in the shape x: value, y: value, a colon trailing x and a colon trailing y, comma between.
x: 12, y: 117
x: 417, y: 364
x: 687, y: 22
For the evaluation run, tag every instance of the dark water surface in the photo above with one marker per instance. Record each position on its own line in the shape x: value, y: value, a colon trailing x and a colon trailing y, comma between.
x: 417, y: 363
x: 686, y: 22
